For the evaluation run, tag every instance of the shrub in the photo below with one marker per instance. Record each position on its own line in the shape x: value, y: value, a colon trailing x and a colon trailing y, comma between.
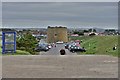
x: 27, y: 42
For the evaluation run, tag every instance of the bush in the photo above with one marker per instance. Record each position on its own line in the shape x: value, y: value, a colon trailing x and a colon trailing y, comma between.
x: 81, y: 33
x: 27, y: 43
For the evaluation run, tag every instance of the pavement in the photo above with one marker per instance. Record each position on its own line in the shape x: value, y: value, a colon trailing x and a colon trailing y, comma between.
x: 0, y: 66
x: 0, y: 57
x: 59, y: 66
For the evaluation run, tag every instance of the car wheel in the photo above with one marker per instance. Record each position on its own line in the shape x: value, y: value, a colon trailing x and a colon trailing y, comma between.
x: 73, y: 51
x: 45, y: 50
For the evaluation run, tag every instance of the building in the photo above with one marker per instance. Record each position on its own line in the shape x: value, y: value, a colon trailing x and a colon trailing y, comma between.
x: 55, y: 34
x: 74, y: 35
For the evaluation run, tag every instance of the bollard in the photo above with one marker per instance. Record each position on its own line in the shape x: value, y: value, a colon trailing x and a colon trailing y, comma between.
x: 62, y: 52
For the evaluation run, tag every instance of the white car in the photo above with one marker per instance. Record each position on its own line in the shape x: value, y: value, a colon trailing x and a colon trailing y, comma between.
x: 49, y: 46
x: 60, y: 42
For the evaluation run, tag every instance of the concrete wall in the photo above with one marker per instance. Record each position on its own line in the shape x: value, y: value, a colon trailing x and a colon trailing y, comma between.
x: 55, y: 34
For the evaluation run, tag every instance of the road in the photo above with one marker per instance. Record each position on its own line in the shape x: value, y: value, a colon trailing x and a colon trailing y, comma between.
x: 60, y: 66
x: 56, y: 51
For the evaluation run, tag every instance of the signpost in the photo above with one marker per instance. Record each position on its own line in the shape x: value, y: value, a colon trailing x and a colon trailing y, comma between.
x: 8, y: 42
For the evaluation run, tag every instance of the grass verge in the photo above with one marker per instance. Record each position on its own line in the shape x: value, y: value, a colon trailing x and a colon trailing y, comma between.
x: 102, y: 45
x: 18, y: 52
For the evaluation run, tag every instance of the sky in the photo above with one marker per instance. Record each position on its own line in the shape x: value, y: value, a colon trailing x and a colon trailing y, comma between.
x: 68, y: 14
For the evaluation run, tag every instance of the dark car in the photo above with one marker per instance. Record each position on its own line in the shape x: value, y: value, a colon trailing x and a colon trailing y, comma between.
x: 42, y: 47
x: 66, y: 46
x: 74, y: 48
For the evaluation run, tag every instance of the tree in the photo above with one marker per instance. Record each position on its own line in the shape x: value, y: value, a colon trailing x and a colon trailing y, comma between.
x: 75, y: 32
x: 86, y: 31
x: 27, y: 42
x: 94, y: 30
x: 81, y: 33
x: 90, y: 30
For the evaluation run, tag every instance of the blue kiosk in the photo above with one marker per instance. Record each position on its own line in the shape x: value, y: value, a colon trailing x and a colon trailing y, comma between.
x: 8, y: 41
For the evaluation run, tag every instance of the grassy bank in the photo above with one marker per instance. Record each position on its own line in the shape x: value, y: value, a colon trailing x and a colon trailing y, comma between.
x: 18, y: 52
x: 99, y: 44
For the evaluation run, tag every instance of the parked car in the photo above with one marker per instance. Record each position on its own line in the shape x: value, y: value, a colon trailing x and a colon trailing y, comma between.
x: 60, y: 42
x: 42, y: 47
x: 70, y: 45
x: 66, y: 46
x: 49, y: 46
x: 74, y: 48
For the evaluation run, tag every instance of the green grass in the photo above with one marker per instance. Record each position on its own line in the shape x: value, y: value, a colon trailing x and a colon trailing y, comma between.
x: 99, y: 44
x: 18, y: 52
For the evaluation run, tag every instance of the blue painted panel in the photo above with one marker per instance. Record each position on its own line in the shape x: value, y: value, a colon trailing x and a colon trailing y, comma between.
x: 7, y: 42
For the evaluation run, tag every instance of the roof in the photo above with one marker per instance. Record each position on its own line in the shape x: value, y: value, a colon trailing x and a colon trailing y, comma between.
x: 56, y: 27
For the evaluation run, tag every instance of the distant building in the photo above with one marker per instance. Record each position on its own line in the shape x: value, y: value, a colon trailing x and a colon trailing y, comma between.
x: 55, y: 34
x: 74, y: 35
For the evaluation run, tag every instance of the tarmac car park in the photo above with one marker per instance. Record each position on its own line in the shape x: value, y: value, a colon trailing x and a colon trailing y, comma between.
x: 42, y: 47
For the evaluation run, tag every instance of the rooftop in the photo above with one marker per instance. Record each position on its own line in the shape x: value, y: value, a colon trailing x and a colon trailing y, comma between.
x: 57, y: 27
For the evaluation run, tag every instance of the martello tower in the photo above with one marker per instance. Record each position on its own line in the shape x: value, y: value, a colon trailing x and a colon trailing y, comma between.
x: 55, y: 34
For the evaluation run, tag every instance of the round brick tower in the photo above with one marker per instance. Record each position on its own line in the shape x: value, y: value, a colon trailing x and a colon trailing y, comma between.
x: 55, y: 34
